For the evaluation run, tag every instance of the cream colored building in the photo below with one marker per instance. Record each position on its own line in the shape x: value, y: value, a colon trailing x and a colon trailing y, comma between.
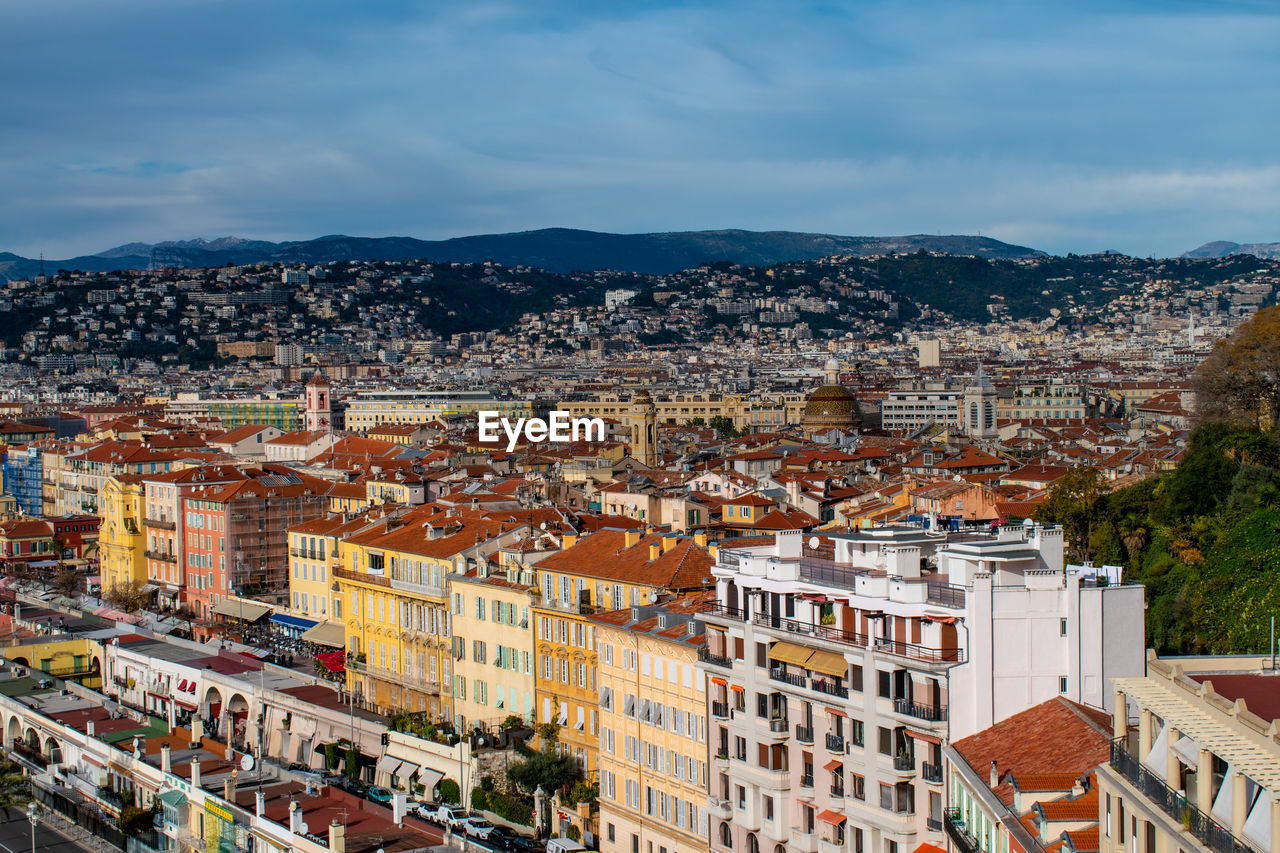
x: 746, y: 412
x: 493, y: 634
x: 1201, y: 771
x: 653, y: 730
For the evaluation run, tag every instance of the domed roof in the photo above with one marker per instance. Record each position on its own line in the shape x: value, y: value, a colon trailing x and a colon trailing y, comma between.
x: 831, y: 407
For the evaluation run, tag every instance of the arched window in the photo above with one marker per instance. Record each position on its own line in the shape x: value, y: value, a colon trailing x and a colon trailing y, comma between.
x: 726, y: 836
x: 753, y: 846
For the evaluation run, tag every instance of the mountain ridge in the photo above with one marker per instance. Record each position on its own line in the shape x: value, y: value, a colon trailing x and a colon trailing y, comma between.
x: 1224, y: 248
x: 552, y: 249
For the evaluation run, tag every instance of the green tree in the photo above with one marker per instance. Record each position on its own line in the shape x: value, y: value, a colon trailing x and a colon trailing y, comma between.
x: 724, y: 427
x: 15, y: 788
x: 450, y: 792
x: 1075, y: 504
x: 1239, y: 381
x: 544, y: 769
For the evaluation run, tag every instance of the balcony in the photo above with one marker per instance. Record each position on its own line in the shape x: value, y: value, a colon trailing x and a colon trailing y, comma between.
x: 377, y: 673
x: 806, y: 780
x: 835, y: 743
x: 916, y: 652
x: 720, y: 710
x: 1211, y: 833
x: 822, y: 632
x: 837, y: 790
x: 818, y: 685
x: 779, y: 726
x: 958, y: 832
x: 904, y: 763
x: 159, y: 523
x: 931, y: 773
x: 931, y: 713
x: 932, y: 823
x: 830, y: 688
x: 719, y: 808
x: 32, y: 754
x: 163, y: 556
x: 362, y: 577
x: 707, y: 656
x: 804, y: 734
x: 945, y: 595
x: 779, y: 674
x: 727, y: 612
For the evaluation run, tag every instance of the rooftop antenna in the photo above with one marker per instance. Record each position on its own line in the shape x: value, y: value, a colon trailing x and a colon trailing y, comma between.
x: 42, y: 263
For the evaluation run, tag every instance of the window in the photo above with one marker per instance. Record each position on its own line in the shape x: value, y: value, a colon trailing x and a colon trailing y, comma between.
x: 1062, y: 627
x: 886, y: 741
x: 857, y: 732
x: 766, y: 804
x: 1062, y: 684
x: 885, y: 690
x: 762, y: 656
x: 858, y: 787
x: 886, y: 796
x: 855, y: 678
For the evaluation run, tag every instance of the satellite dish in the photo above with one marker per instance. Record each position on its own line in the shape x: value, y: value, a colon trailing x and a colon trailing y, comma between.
x: 306, y: 830
x: 542, y: 526
x: 813, y: 542
x: 246, y: 762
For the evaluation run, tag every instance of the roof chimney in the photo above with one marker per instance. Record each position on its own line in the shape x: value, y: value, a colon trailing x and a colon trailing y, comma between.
x: 995, y: 776
x: 195, y: 772
x: 295, y: 817
x: 568, y: 540
x: 631, y: 537
x: 700, y: 539
x: 260, y: 802
x: 669, y: 542
x: 197, y: 733
x: 165, y: 765
x: 229, y: 788
x: 337, y: 837
x: 1078, y: 789
x: 655, y: 551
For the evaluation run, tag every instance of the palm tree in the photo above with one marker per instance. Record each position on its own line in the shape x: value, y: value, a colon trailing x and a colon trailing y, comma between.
x: 15, y: 788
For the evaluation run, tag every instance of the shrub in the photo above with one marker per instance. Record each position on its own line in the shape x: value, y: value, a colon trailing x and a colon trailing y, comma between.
x: 511, y: 807
x: 480, y: 799
x: 450, y: 792
x: 574, y: 833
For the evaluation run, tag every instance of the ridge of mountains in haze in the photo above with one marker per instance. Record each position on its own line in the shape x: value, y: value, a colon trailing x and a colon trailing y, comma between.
x: 1223, y: 248
x: 553, y: 249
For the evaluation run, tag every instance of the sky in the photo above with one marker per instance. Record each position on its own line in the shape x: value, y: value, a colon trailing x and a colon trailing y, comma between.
x: 1146, y: 128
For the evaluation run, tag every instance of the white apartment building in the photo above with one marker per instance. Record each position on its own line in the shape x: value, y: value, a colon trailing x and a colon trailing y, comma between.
x: 837, y: 673
x: 371, y: 408
x: 919, y: 404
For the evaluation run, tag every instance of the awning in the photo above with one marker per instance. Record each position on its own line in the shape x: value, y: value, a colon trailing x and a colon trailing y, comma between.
x: 243, y: 610
x: 388, y: 764
x: 173, y: 798
x: 428, y: 779
x: 715, y: 679
x: 327, y: 634
x: 737, y: 688
x: 832, y: 765
x: 789, y: 653
x: 813, y: 596
x: 190, y: 706
x: 928, y: 738
x: 1188, y: 751
x: 407, y: 770
x: 836, y: 711
x: 148, y: 588
x: 831, y: 817
x: 944, y: 620
x: 828, y: 663
x: 292, y: 621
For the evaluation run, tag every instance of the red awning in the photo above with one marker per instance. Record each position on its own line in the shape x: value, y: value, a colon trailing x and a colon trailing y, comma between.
x: 813, y: 596
x: 944, y: 620
x: 737, y: 688
x: 158, y: 696
x: 715, y: 679
x: 832, y: 764
x: 831, y: 817
x: 837, y: 712
x: 186, y: 705
x: 924, y: 737
x: 928, y: 848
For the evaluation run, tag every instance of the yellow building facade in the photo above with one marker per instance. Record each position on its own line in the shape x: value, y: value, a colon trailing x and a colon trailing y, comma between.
x: 653, y: 731
x: 121, y: 541
x: 608, y: 570
x: 392, y: 581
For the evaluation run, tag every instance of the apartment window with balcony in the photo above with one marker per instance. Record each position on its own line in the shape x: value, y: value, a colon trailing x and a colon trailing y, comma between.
x: 807, y: 819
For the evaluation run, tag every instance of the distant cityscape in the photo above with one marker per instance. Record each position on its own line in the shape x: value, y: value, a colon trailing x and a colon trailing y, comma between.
x: 264, y: 577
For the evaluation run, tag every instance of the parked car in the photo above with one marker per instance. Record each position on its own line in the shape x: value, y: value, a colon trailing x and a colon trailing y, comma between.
x: 451, y: 816
x: 520, y: 844
x: 478, y: 827
x: 352, y: 786
x: 379, y: 795
x: 428, y: 811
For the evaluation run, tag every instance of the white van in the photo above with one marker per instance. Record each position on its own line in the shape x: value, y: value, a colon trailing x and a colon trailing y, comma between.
x: 563, y: 845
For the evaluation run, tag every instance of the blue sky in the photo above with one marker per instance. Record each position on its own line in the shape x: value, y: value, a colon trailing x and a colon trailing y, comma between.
x: 1147, y: 128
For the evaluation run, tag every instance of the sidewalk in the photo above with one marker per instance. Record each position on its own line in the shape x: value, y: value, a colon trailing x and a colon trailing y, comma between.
x: 59, y: 823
